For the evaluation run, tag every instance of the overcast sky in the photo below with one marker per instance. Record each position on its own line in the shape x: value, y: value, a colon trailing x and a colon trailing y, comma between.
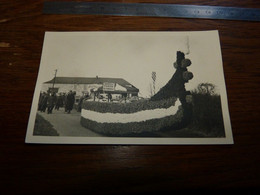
x: 132, y: 56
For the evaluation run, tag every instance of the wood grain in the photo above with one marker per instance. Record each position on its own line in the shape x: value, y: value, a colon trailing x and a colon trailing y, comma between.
x: 118, y: 169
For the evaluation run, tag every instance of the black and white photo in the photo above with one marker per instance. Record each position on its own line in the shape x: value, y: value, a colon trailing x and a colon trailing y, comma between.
x: 130, y: 88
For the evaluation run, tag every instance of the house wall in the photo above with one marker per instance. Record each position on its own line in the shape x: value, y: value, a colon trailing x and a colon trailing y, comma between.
x: 79, y: 88
x: 65, y: 88
x: 120, y: 88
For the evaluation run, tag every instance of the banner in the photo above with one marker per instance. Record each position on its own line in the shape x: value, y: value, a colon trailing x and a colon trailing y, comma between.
x: 108, y: 86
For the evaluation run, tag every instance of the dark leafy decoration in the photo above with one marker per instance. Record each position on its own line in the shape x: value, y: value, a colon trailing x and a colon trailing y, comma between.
x: 176, y: 85
x: 107, y: 107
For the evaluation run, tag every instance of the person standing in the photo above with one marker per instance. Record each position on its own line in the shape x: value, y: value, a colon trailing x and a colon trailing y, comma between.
x: 69, y: 102
x: 44, y: 102
x: 51, y: 102
x: 59, y: 102
x: 81, y: 100
x: 109, y: 97
x: 40, y: 101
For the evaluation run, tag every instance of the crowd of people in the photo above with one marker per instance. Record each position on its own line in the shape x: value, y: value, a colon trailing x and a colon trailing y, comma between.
x: 50, y: 101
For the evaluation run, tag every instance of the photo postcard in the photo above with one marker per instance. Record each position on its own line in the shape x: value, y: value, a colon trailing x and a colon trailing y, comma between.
x: 130, y: 88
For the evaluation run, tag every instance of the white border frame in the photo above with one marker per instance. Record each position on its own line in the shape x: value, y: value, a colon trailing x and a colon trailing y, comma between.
x: 133, y: 140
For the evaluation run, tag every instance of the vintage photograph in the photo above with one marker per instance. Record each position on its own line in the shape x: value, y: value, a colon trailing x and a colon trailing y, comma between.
x: 130, y: 88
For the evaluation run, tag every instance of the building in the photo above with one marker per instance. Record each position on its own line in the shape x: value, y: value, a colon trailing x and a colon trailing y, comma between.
x: 98, y: 85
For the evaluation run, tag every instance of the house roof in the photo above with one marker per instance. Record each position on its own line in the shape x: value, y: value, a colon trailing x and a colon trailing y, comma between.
x: 93, y: 80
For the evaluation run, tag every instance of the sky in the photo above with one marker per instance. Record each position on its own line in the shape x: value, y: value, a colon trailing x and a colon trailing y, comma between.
x: 132, y: 56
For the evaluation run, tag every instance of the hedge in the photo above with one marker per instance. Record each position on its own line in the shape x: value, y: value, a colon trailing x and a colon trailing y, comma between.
x: 110, y: 107
x: 134, y: 128
x: 207, y: 114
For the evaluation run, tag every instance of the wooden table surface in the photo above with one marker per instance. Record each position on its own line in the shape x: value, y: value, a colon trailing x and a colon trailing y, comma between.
x: 118, y: 169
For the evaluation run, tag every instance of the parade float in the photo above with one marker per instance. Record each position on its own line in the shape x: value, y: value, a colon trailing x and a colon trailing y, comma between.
x: 169, y: 108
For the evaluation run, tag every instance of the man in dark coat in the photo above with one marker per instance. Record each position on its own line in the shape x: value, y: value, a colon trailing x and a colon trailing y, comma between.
x: 59, y: 102
x: 69, y: 102
x: 44, y: 100
x: 51, y: 102
x: 40, y: 101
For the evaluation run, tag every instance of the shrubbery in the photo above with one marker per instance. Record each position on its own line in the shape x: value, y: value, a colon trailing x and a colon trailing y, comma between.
x: 203, y: 117
x: 109, y: 107
x: 132, y: 128
x: 147, y: 127
x: 207, y: 114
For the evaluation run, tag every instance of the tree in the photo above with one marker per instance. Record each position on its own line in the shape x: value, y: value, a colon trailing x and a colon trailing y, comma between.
x: 205, y: 88
x: 207, y: 112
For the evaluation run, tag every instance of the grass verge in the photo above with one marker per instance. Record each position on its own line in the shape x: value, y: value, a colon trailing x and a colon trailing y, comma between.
x: 43, y: 127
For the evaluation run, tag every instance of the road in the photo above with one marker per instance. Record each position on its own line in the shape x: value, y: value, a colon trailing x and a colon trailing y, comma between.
x: 68, y: 124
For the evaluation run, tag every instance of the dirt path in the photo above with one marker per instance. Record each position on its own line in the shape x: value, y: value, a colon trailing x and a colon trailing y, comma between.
x: 68, y: 124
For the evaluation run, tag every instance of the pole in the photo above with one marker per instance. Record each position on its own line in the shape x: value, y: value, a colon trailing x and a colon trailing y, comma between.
x: 54, y: 80
x: 154, y: 79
